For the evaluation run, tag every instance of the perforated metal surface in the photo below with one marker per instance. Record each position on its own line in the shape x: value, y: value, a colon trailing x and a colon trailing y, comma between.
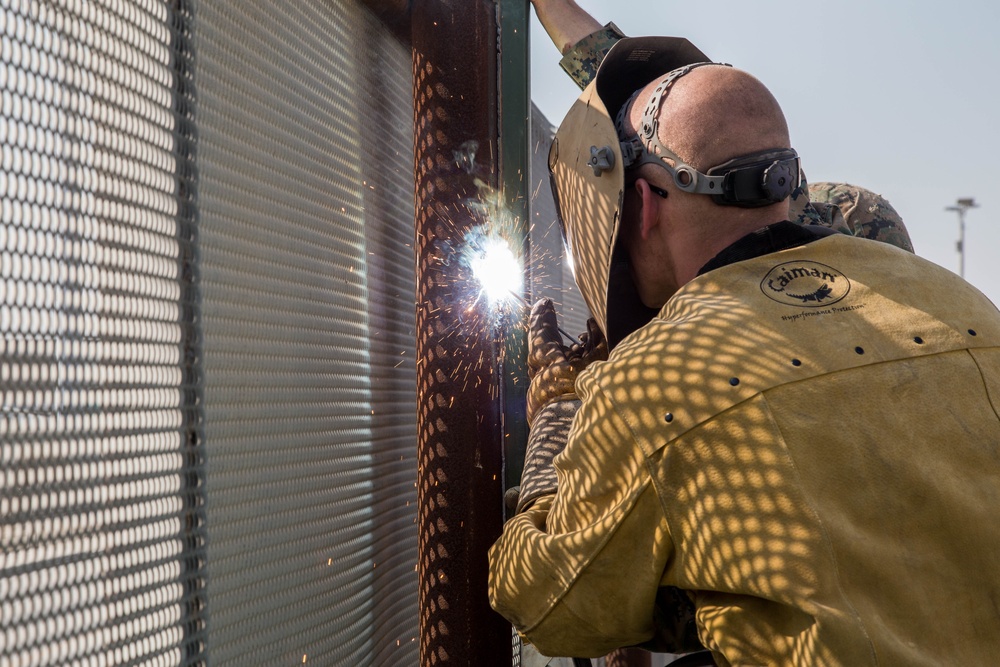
x: 305, y: 154
x: 101, y: 525
x: 308, y: 271
x: 460, y: 475
x: 553, y: 276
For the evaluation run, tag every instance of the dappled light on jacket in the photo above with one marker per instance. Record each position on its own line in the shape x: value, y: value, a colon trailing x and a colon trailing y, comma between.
x: 819, y: 475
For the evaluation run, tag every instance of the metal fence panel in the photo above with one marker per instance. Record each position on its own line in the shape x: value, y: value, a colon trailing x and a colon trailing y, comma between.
x: 101, y: 524
x: 296, y: 152
x: 553, y: 273
x: 305, y: 157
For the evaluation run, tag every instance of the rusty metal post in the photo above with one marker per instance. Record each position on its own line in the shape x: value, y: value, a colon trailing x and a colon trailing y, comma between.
x: 460, y: 475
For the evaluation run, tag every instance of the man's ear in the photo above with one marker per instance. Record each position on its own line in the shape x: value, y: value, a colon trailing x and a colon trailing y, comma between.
x: 649, y: 216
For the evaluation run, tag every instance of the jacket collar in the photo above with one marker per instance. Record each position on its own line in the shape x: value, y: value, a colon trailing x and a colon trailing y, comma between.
x: 773, y: 238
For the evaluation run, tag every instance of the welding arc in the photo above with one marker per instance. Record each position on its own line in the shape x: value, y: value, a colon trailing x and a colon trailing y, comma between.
x: 568, y: 336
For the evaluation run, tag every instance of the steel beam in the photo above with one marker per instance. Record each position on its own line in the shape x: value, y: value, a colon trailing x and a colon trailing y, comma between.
x: 460, y: 479
x: 515, y: 159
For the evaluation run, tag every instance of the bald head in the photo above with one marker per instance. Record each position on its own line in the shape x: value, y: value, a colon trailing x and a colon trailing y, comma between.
x: 716, y: 113
x: 710, y: 115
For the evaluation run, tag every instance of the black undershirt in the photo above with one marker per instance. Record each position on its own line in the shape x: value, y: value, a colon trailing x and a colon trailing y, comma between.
x: 773, y: 238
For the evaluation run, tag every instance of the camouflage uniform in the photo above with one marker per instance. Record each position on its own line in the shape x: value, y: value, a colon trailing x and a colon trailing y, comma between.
x: 582, y: 61
x: 848, y: 209
x: 867, y: 214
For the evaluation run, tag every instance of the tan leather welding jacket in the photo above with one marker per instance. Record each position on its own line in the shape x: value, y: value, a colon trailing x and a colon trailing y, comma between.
x: 807, y: 443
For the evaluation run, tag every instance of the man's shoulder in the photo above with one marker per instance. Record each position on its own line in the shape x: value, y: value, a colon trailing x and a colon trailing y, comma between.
x: 790, y: 316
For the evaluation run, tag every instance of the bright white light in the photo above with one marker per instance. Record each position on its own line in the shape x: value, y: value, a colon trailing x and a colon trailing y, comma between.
x: 569, y: 261
x: 498, y: 271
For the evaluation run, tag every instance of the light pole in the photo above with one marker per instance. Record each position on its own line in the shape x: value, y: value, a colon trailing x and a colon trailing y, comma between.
x: 961, y: 206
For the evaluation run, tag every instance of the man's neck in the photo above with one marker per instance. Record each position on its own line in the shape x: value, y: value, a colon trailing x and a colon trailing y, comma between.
x: 772, y: 238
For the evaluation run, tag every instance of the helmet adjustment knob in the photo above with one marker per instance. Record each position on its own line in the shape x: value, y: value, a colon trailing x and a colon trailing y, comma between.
x: 601, y: 159
x: 778, y: 180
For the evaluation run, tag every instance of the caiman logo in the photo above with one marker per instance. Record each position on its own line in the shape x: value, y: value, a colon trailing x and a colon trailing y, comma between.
x: 805, y: 284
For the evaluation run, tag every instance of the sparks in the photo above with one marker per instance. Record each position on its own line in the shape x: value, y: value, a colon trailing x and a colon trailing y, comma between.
x: 499, y: 273
x: 481, y: 271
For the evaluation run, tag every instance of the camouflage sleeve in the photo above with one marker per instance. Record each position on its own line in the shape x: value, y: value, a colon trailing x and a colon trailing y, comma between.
x: 804, y: 212
x: 582, y: 61
x: 864, y: 213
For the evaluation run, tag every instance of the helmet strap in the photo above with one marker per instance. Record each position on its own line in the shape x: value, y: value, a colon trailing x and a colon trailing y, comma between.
x: 747, y: 181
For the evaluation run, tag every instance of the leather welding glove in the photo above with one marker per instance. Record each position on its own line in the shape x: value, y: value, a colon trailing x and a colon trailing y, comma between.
x: 552, y: 401
x: 552, y: 366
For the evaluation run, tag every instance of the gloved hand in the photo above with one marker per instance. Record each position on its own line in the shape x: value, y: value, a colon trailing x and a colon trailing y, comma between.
x: 552, y: 366
x: 552, y: 401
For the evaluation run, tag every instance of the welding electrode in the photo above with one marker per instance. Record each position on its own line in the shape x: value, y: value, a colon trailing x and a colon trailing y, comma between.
x: 568, y: 336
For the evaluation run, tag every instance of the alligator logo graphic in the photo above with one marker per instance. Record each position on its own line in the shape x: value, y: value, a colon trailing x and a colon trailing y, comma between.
x: 805, y: 284
x: 822, y: 294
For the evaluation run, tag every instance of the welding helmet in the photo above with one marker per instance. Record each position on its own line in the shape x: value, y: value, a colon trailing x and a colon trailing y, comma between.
x: 588, y: 162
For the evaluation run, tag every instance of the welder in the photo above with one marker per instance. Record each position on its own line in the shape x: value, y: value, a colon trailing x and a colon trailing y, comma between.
x: 790, y: 455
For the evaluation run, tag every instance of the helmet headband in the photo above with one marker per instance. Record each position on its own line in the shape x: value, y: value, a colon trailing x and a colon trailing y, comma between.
x: 757, y: 179
x: 748, y: 181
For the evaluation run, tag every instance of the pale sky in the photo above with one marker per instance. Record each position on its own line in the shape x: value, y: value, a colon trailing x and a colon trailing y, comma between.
x: 897, y: 96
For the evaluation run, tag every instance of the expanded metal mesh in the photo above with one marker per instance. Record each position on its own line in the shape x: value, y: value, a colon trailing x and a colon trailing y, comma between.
x: 460, y: 471
x: 552, y: 275
x: 101, y: 524
x: 306, y: 203
x: 304, y: 140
